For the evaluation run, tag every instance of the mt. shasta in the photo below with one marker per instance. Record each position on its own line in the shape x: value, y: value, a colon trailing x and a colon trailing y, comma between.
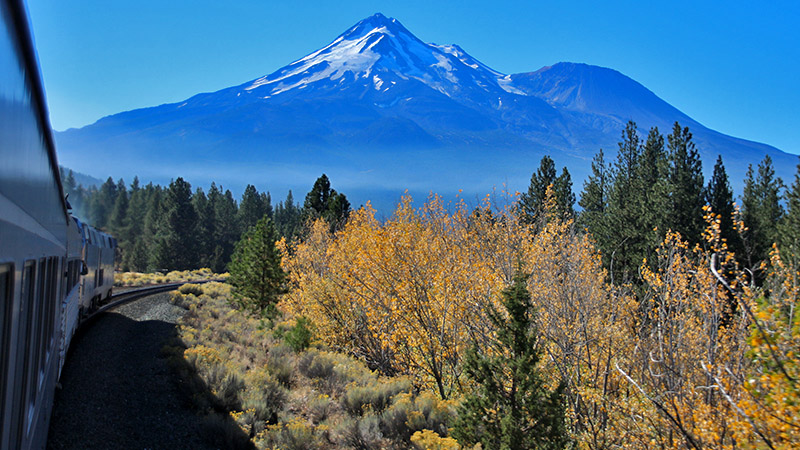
x: 380, y: 111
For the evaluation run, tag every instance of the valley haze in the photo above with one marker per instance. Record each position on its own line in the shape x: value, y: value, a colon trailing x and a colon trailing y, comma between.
x: 381, y: 112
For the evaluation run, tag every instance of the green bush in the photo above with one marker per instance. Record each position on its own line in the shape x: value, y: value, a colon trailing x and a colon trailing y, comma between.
x: 299, y: 336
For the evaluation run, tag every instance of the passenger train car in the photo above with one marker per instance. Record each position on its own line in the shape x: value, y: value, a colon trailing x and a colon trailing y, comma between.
x: 52, y: 267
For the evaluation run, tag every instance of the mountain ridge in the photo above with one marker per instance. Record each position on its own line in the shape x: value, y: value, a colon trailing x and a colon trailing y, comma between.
x: 378, y: 94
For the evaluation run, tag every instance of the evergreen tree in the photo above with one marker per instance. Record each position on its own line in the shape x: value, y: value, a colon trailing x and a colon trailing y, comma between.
x: 531, y: 203
x: 287, y: 217
x: 151, y: 226
x: 324, y: 202
x: 267, y: 200
x: 790, y: 226
x: 624, y: 249
x: 686, y: 179
x: 565, y: 198
x: 594, y: 200
x: 511, y: 407
x: 102, y: 204
x: 205, y: 228
x: 255, y: 269
x: 652, y: 193
x: 225, y: 227
x: 175, y: 245
x: 719, y: 197
x: 119, y: 221
x: 251, y: 208
x: 761, y: 211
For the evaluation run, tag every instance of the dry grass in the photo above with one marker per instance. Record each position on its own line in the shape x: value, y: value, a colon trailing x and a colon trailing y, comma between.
x: 280, y: 394
x: 136, y: 279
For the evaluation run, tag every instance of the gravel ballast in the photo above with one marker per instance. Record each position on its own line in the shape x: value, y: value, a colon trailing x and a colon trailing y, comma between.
x: 117, y: 389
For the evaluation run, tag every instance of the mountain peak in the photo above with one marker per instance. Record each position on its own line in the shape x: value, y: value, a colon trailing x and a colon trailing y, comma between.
x: 377, y: 54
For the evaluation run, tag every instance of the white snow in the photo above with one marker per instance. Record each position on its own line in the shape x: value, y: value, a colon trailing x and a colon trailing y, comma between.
x: 442, y: 67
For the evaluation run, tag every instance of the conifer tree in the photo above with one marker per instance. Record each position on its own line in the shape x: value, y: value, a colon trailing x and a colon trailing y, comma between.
x: 255, y: 269
x: 594, y: 200
x: 151, y: 224
x: 790, y: 227
x: 119, y: 221
x: 324, y: 202
x: 623, y: 249
x: 761, y: 211
x: 205, y: 228
x: 531, y: 203
x: 102, y: 204
x: 511, y: 407
x: 686, y: 180
x: 225, y: 226
x: 251, y: 208
x: 719, y: 197
x: 287, y: 217
x: 175, y: 247
x: 652, y: 192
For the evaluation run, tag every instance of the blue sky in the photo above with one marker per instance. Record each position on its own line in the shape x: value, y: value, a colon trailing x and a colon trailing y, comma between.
x: 733, y: 66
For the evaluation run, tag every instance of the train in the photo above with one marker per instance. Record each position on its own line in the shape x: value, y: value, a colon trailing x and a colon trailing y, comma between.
x: 54, y: 269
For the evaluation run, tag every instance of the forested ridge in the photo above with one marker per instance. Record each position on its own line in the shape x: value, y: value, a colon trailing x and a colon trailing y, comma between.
x: 661, y: 314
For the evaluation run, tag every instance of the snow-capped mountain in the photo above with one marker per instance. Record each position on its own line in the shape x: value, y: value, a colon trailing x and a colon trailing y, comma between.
x: 379, y: 109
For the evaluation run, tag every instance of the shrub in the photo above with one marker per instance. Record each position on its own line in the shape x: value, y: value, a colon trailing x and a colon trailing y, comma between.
x: 363, y: 433
x: 375, y: 396
x: 191, y: 288
x: 294, y: 435
x: 430, y: 440
x: 299, y: 336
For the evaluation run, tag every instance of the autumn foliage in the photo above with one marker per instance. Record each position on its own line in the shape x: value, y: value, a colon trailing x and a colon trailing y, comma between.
x: 698, y: 358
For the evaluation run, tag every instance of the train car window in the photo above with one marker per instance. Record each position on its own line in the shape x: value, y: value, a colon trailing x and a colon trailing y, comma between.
x: 35, y: 327
x: 48, y: 311
x: 6, y: 303
x: 27, y: 301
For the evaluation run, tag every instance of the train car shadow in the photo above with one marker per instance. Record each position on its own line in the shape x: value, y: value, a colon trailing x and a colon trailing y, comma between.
x: 119, y: 391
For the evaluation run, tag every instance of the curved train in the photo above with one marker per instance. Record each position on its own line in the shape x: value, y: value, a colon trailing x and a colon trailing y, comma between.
x: 54, y: 269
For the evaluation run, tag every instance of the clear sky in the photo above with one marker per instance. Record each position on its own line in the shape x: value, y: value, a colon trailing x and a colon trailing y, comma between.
x: 733, y: 66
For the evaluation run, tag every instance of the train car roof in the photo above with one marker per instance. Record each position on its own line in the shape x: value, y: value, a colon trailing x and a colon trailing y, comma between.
x: 24, y: 35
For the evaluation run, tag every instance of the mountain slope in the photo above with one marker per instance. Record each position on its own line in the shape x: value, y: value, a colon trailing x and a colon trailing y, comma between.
x: 380, y: 110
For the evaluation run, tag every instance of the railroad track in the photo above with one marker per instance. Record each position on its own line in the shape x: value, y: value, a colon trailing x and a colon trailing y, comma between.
x: 136, y: 294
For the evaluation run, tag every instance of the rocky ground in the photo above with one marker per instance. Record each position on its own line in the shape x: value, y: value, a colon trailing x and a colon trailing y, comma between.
x: 117, y: 390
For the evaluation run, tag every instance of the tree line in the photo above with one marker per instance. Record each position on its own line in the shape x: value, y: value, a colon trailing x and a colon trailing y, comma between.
x: 172, y: 227
x: 657, y: 184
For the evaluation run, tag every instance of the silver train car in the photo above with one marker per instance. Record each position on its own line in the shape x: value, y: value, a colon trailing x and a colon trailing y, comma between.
x: 52, y: 267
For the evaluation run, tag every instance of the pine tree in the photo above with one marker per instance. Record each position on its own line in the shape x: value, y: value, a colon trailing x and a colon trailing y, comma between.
x: 652, y: 192
x: 531, y: 203
x: 761, y: 211
x: 324, y: 202
x: 251, y: 208
x: 686, y: 180
x: 565, y: 198
x: 287, y: 217
x: 511, y: 407
x: 118, y: 221
x: 151, y: 224
x: 175, y: 244
x: 102, y: 203
x: 225, y: 227
x: 255, y: 269
x: 790, y: 226
x: 719, y: 197
x: 205, y: 228
x: 623, y: 251
x: 594, y: 200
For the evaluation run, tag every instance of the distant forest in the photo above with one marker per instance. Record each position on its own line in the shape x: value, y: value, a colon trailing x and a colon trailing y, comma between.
x: 172, y: 228
x: 655, y: 184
